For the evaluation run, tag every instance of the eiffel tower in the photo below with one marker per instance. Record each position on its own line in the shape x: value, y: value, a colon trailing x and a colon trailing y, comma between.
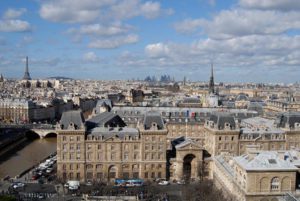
x: 26, y: 74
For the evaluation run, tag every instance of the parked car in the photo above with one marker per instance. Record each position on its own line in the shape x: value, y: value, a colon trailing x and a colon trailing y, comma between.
x: 180, y: 182
x: 18, y: 185
x: 49, y: 170
x: 163, y: 183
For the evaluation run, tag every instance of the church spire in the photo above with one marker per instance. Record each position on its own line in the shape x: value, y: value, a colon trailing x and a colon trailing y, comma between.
x: 211, y: 81
x: 26, y: 74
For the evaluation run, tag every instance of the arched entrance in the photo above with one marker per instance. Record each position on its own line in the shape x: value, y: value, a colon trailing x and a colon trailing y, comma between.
x: 188, y: 166
x: 112, y: 172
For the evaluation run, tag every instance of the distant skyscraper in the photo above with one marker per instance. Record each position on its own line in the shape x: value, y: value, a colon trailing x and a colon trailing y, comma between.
x: 211, y: 81
x: 26, y: 74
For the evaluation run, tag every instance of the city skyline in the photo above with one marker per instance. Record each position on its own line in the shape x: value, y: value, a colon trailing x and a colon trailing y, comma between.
x: 247, y: 40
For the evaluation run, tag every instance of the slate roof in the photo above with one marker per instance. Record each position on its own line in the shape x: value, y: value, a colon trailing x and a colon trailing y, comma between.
x: 103, y: 102
x: 74, y: 116
x: 289, y: 119
x: 242, y: 97
x: 105, y: 119
x: 153, y: 117
x: 220, y: 118
x: 265, y: 160
x: 186, y: 142
x: 260, y: 125
x: 118, y: 132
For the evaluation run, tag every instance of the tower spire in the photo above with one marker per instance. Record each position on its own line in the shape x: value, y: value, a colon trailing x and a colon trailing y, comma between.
x: 26, y: 74
x: 211, y: 80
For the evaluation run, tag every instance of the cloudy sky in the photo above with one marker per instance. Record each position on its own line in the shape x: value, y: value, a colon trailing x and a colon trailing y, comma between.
x: 247, y: 40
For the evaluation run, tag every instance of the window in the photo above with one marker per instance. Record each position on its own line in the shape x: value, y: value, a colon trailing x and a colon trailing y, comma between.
x: 113, y: 156
x: 78, y: 138
x: 112, y: 147
x: 135, y: 156
x: 99, y: 146
x: 71, y: 138
x: 220, y: 138
x: 275, y: 183
x: 89, y: 156
x: 64, y: 138
x: 153, y: 138
x: 78, y: 156
x: 78, y: 147
x: 126, y: 156
x: 136, y: 146
x: 65, y: 147
x: 146, y: 147
x: 160, y: 147
x: 89, y: 146
x: 146, y: 175
x: 71, y: 147
x: 100, y: 156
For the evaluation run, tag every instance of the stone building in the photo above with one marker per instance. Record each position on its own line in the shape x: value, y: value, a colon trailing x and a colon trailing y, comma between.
x: 103, y: 148
x: 255, y: 176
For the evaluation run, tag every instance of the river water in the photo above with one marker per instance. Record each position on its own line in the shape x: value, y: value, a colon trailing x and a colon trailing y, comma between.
x: 27, y: 156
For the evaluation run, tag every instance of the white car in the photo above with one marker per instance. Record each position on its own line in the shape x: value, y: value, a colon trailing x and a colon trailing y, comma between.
x: 163, y: 183
x: 49, y: 170
x: 18, y: 185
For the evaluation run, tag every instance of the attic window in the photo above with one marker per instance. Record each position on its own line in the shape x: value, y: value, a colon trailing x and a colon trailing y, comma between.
x: 272, y: 161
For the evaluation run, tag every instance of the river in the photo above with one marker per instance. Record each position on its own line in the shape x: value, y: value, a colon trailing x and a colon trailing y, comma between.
x: 26, y: 156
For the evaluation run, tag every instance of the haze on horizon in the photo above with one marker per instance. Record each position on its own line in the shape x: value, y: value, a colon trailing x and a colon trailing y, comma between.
x: 247, y: 40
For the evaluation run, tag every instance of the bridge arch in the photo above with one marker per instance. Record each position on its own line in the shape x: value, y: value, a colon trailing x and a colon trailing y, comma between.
x: 50, y: 135
x: 31, y: 134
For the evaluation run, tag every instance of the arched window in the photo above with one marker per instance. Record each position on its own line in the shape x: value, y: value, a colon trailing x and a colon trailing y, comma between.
x: 275, y: 184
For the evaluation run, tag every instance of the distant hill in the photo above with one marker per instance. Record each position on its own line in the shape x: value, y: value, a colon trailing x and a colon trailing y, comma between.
x: 60, y: 78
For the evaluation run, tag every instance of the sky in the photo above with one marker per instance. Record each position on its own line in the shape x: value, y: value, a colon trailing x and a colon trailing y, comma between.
x: 246, y: 40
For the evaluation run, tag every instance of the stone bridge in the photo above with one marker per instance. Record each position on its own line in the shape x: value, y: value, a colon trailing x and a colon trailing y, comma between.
x: 42, y: 130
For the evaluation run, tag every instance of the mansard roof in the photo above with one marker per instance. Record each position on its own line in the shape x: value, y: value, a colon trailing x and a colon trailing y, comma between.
x: 72, y: 120
x: 288, y: 120
x: 153, y: 117
x: 117, y: 132
x: 220, y: 118
x: 105, y: 119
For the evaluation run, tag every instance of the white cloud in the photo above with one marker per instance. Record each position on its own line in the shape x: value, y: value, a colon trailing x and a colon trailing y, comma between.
x: 78, y: 11
x: 150, y: 9
x: 14, y: 26
x: 113, y: 42
x: 90, y: 57
x: 157, y: 50
x: 283, y: 5
x: 72, y: 11
x: 240, y: 22
x: 13, y: 13
x: 101, y: 30
x: 188, y: 26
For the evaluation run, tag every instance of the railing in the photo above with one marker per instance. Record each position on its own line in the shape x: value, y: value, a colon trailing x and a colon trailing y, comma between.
x: 28, y: 126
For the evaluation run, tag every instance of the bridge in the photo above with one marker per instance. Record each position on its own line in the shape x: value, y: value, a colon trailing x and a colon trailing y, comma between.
x: 42, y: 130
